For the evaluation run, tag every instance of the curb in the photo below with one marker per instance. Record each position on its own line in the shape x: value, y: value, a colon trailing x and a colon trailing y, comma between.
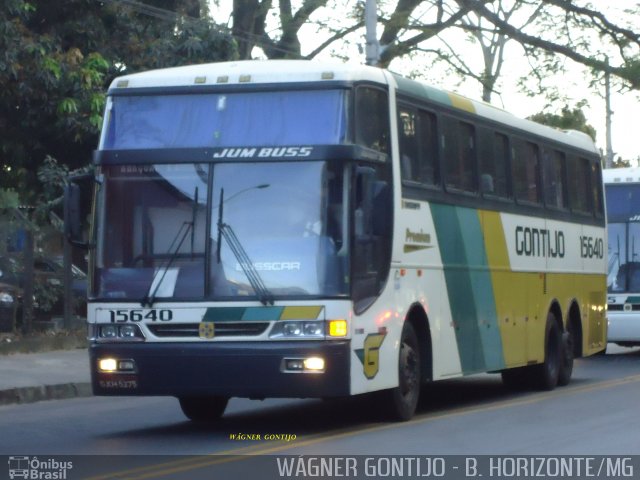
x: 45, y: 392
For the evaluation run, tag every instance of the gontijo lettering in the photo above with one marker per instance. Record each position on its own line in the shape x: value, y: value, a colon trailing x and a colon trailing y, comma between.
x: 539, y: 242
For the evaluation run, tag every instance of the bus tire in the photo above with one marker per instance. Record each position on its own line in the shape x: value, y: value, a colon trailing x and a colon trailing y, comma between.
x: 566, y: 359
x: 545, y: 375
x: 403, y: 399
x: 203, y: 409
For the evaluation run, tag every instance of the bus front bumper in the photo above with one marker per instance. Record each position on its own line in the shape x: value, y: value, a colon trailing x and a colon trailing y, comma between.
x: 231, y: 369
x: 623, y: 327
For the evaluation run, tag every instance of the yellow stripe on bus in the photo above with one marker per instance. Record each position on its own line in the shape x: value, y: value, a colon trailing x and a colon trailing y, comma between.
x: 458, y: 101
x: 301, y: 313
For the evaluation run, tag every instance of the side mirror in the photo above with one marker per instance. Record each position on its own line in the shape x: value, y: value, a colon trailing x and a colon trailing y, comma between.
x: 74, y: 210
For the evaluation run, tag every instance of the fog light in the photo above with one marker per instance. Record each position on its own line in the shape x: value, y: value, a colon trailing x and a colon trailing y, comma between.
x: 294, y: 364
x: 337, y: 328
x: 315, y: 364
x: 126, y: 365
x: 107, y: 365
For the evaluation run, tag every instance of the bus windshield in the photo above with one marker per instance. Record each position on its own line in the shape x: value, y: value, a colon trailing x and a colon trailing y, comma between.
x: 623, y: 212
x: 158, y: 229
x: 304, y: 117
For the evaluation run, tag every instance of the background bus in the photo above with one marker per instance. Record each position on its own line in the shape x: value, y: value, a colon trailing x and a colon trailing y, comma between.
x: 622, y: 187
x: 303, y: 229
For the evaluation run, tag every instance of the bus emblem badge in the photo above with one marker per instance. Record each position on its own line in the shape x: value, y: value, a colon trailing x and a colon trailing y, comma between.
x: 206, y: 330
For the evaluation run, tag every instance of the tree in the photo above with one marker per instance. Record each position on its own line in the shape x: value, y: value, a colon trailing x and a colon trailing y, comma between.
x: 59, y: 57
x: 620, y: 163
x: 571, y: 30
x: 250, y: 27
x: 568, y: 119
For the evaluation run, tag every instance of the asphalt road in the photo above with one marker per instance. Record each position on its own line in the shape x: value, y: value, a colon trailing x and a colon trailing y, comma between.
x: 596, y: 414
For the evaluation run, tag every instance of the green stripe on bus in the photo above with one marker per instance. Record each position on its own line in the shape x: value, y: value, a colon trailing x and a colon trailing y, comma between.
x: 421, y: 90
x: 482, y: 288
x: 469, y: 287
x: 224, y: 314
x: 261, y: 314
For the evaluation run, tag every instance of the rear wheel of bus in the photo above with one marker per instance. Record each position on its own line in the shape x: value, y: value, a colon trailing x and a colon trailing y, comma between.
x: 556, y: 368
x: 545, y: 375
x: 203, y: 409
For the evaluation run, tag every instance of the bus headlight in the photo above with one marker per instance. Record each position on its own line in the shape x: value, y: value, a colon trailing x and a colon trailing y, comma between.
x: 298, y: 329
x: 128, y: 331
x: 108, y: 331
x: 118, y: 333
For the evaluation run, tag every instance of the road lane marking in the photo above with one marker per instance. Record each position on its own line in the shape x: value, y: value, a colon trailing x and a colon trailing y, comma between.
x: 238, y: 454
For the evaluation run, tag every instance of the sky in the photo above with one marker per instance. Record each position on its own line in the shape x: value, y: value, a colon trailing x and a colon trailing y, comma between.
x: 574, y: 85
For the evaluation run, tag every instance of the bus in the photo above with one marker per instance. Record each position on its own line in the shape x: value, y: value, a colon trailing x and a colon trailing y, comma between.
x: 622, y: 191
x: 307, y: 229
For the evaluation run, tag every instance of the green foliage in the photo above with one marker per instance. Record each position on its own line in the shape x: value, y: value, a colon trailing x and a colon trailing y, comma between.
x: 569, y: 119
x: 57, y: 61
x: 620, y: 163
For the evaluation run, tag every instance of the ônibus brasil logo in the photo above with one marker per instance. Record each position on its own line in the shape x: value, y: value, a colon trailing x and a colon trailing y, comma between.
x: 38, y: 469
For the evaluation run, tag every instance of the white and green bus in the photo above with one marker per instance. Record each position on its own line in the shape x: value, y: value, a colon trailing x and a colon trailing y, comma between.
x: 302, y: 229
x: 622, y: 191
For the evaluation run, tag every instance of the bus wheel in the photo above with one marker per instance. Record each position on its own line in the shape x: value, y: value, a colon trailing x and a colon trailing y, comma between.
x: 566, y: 359
x: 545, y: 376
x: 404, y: 398
x: 203, y: 409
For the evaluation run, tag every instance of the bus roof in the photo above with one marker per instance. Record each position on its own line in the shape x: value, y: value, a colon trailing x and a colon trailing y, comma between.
x: 251, y: 72
x: 418, y: 89
x: 621, y: 175
x: 292, y: 71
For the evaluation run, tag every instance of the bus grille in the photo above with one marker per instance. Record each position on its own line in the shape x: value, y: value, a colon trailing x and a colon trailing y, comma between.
x: 618, y: 307
x: 222, y: 329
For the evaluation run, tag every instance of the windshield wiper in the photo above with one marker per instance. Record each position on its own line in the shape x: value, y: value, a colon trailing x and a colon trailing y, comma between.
x: 184, y: 230
x: 225, y: 230
x: 181, y: 234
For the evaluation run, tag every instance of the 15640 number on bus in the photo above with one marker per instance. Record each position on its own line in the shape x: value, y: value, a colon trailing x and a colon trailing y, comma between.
x: 140, y: 314
x: 591, y: 247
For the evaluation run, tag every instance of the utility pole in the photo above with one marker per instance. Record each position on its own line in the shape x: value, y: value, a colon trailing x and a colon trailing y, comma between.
x: 371, y: 21
x: 607, y: 101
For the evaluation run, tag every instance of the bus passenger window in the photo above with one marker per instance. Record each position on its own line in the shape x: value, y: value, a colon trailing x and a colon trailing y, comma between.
x: 525, y: 171
x: 408, y: 145
x: 494, y: 166
x: 459, y: 147
x: 579, y: 184
x: 428, y: 165
x: 372, y: 118
x: 553, y: 163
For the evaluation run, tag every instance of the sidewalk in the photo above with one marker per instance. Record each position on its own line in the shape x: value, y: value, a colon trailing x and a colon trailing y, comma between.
x: 32, y: 377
